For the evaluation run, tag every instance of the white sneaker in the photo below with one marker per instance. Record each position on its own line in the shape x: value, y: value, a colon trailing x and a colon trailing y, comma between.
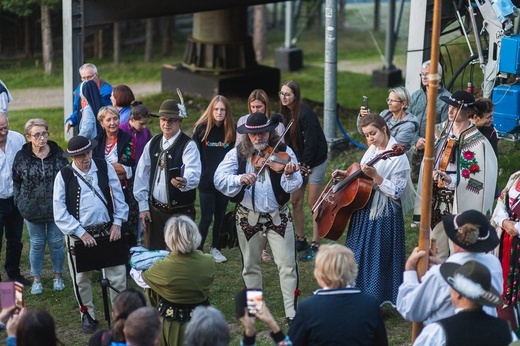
x: 217, y: 256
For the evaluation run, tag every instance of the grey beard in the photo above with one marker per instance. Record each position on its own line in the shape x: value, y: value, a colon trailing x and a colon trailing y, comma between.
x: 260, y: 146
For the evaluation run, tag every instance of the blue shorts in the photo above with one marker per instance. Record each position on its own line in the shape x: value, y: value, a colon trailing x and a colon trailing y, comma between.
x: 318, y: 174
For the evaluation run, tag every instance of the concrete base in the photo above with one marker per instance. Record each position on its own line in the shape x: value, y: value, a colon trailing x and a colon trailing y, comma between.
x: 208, y: 85
x: 387, y: 78
x: 288, y: 59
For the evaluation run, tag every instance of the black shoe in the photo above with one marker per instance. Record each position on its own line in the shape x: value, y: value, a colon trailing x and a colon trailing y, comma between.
x: 21, y: 279
x: 310, y: 253
x: 302, y: 245
x: 88, y: 324
x: 288, y: 320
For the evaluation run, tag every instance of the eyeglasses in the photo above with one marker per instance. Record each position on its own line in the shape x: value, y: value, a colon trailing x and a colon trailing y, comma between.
x: 39, y: 135
x: 284, y: 95
x: 393, y: 101
x: 88, y: 77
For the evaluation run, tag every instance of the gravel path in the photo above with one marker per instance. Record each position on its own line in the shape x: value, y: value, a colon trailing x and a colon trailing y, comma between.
x: 53, y: 97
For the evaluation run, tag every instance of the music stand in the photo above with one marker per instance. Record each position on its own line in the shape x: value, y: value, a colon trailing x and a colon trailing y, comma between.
x: 105, y: 285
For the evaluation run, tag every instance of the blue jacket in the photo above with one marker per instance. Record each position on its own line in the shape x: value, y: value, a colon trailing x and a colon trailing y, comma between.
x: 105, y: 90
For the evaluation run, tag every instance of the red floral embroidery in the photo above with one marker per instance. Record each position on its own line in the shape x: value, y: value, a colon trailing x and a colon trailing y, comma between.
x: 297, y: 292
x: 465, y: 173
x: 468, y: 155
x: 83, y: 309
x: 474, y: 169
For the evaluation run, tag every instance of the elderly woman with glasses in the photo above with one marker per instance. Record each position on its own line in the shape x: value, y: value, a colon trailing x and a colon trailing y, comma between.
x: 34, y: 169
x: 402, y: 124
x: 118, y: 148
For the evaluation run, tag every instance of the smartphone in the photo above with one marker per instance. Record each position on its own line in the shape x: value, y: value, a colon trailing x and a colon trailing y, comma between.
x: 254, y: 301
x: 18, y: 295
x: 365, y: 102
x: 176, y: 172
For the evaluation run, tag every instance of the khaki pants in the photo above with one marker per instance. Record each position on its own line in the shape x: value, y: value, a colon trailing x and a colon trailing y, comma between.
x: 116, y: 275
x: 284, y: 254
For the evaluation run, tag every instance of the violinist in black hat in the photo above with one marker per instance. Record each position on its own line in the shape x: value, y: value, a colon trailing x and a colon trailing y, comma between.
x: 262, y: 193
x: 465, y: 168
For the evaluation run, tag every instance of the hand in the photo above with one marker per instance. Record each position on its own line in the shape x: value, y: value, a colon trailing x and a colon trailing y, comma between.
x: 438, y: 174
x: 68, y: 126
x: 179, y: 182
x: 88, y: 240
x: 509, y: 227
x: 115, y: 232
x: 6, y: 314
x: 369, y: 171
x: 145, y: 217
x: 421, y: 143
x: 248, y: 179
x: 12, y: 324
x: 249, y: 323
x: 363, y: 111
x: 411, y: 263
x: 290, y: 168
x: 338, y: 174
x: 265, y: 316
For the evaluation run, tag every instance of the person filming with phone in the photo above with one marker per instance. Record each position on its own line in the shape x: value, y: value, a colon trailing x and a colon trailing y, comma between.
x: 89, y: 205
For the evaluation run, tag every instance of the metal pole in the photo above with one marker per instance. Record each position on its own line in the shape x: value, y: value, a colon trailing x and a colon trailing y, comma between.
x: 288, y: 24
x: 331, y: 65
x: 390, y: 36
x: 429, y: 155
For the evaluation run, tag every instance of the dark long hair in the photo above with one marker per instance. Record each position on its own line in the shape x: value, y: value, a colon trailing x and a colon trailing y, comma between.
x: 125, y: 303
x: 292, y: 137
x: 36, y: 327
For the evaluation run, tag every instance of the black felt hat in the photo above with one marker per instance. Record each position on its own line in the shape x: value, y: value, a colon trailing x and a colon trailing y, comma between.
x: 79, y: 145
x: 483, y: 238
x: 257, y: 123
x: 460, y: 99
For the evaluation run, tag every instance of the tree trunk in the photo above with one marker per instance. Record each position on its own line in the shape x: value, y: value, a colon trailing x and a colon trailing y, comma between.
x: 148, y: 50
x: 166, y: 46
x: 259, y: 32
x: 99, y: 44
x: 27, y: 43
x: 47, y: 48
x: 117, y: 44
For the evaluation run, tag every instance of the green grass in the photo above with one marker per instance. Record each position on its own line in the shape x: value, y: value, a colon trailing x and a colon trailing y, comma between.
x: 353, y: 44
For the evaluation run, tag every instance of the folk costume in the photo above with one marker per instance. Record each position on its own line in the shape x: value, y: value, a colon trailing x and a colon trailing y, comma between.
x: 376, y: 232
x: 176, y: 285
x: 122, y: 151
x: 263, y: 210
x: 88, y: 202
x: 153, y: 189
x: 470, y: 326
x: 473, y: 171
x: 429, y: 300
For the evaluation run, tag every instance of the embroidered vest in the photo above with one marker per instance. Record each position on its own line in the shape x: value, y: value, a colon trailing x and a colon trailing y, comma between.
x: 73, y: 195
x: 173, y: 158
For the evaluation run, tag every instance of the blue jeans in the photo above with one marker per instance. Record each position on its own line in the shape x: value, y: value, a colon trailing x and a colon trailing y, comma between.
x: 39, y: 234
x: 212, y: 204
x: 11, y: 222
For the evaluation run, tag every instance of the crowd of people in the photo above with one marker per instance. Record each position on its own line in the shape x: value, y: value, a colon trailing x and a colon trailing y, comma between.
x: 125, y: 187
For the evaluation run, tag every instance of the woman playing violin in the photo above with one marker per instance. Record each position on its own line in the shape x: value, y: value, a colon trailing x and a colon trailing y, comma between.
x: 376, y: 232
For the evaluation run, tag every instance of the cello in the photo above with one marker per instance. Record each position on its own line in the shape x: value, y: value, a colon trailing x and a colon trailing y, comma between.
x: 339, y: 201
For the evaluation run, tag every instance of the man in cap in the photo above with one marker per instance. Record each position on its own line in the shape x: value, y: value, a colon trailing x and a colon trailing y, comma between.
x: 167, y: 175
x: 88, y: 72
x: 429, y: 300
x: 262, y: 198
x: 89, y: 203
x: 470, y: 289
x: 11, y: 222
x: 465, y: 168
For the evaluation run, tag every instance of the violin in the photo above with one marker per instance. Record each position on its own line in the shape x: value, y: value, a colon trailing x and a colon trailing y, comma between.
x: 275, y: 160
x: 448, y: 152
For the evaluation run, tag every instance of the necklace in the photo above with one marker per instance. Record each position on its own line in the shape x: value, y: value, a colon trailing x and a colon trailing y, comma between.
x: 110, y: 146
